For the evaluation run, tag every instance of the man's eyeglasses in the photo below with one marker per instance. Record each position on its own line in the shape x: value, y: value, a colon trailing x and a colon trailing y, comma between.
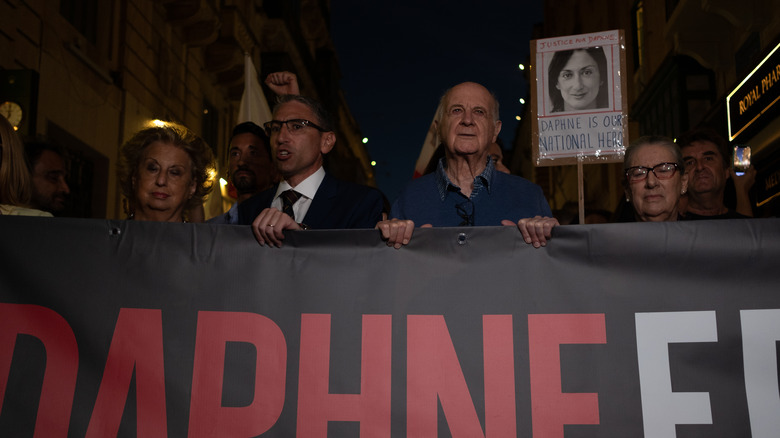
x: 661, y: 171
x: 294, y: 126
x: 466, y: 212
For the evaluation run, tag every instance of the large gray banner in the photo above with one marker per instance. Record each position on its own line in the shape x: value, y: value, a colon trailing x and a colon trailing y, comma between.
x: 114, y: 328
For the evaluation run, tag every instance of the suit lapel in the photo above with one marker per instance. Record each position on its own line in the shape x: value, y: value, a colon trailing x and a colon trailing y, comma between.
x: 322, y: 204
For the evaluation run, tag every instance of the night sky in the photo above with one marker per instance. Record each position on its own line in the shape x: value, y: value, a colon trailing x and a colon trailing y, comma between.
x: 397, y: 58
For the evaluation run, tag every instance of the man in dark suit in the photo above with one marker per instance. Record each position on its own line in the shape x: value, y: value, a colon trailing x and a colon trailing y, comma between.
x: 301, y: 134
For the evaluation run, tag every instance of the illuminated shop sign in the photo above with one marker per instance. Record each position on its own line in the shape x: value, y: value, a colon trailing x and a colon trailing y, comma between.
x: 767, y: 186
x: 755, y: 95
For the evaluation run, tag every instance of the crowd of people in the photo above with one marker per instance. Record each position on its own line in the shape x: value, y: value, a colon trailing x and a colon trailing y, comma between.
x: 281, y: 184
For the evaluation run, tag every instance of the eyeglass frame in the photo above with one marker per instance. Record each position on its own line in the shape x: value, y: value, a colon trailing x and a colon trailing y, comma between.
x: 647, y: 170
x: 268, y: 125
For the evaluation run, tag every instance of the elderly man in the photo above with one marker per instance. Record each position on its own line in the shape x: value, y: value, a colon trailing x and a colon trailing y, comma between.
x: 301, y: 134
x: 466, y: 188
x: 250, y: 167
x: 706, y: 162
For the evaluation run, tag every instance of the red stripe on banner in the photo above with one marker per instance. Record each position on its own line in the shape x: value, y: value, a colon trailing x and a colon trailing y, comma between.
x: 62, y: 361
x: 550, y: 408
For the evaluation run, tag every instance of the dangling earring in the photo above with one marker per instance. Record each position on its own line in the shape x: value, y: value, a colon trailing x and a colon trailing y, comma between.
x: 128, y: 208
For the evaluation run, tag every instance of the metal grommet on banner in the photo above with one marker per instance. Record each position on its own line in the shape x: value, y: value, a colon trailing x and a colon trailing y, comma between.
x: 114, y: 231
x: 462, y: 239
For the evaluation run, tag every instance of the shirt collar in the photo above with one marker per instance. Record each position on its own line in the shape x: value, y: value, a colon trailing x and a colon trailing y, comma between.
x: 232, y: 214
x: 484, y: 179
x: 307, y: 187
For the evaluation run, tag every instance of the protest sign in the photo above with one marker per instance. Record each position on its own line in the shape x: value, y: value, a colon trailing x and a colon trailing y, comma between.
x: 579, y: 111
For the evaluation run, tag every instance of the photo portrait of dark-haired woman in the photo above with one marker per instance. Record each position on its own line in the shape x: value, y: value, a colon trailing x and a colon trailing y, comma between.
x: 577, y: 80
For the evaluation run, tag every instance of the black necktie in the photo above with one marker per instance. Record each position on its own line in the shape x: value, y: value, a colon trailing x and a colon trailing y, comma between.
x: 288, y: 199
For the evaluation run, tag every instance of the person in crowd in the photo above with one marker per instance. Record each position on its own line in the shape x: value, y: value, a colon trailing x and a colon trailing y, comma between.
x: 164, y: 172
x: 282, y: 83
x: 577, y: 80
x: 496, y: 154
x: 49, y: 176
x: 466, y: 189
x: 15, y: 181
x: 706, y: 158
x: 655, y: 178
x: 301, y: 133
x: 250, y: 167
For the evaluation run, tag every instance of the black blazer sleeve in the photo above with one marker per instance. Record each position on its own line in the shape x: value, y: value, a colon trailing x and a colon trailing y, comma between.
x: 343, y: 205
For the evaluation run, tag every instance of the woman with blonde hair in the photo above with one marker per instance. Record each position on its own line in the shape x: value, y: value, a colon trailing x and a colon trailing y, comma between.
x: 164, y: 171
x: 15, y: 182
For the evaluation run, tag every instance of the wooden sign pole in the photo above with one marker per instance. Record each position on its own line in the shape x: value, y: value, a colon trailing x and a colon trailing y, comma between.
x: 581, y: 189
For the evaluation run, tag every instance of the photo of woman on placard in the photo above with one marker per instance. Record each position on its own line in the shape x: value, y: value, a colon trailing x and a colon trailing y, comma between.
x: 577, y: 80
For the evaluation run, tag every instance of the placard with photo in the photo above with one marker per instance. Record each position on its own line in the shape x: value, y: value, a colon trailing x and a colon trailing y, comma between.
x: 580, y: 108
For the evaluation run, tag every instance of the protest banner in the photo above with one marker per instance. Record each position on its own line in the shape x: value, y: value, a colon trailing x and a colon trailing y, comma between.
x: 121, y: 328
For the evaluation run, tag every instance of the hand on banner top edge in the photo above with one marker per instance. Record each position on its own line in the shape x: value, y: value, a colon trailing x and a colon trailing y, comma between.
x: 535, y: 230
x: 282, y: 83
x: 269, y: 225
x: 397, y: 232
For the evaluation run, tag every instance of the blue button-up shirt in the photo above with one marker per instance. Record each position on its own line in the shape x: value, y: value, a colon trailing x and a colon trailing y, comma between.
x: 434, y: 199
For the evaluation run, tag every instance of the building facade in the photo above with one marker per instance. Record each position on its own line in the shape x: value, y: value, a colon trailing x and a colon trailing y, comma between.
x: 87, y: 74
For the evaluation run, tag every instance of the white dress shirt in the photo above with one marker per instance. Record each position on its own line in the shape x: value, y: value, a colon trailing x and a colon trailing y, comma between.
x: 307, y: 188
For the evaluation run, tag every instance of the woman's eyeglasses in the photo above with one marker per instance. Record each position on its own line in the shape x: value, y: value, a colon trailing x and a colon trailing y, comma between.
x: 661, y: 171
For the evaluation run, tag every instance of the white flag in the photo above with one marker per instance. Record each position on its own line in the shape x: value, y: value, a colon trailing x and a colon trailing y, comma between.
x: 254, y: 107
